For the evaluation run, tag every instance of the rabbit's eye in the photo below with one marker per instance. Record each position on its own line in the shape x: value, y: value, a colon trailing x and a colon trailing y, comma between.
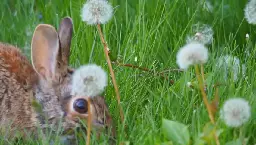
x: 81, y: 106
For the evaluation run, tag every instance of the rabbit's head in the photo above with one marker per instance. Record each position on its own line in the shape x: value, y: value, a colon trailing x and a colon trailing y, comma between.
x: 50, y: 59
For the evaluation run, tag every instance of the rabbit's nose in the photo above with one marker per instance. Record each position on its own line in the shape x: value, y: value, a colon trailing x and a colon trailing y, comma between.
x: 81, y: 106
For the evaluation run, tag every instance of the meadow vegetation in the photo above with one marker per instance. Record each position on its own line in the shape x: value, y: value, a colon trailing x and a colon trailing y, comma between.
x: 144, y: 37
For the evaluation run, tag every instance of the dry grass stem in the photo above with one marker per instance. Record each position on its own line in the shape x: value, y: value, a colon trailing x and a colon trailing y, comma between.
x: 89, y: 123
x: 208, y: 106
x: 106, y: 51
x: 161, y: 74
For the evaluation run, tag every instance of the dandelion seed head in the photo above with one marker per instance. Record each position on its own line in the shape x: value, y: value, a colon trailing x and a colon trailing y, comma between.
x: 235, y: 112
x: 96, y: 12
x: 201, y: 33
x: 250, y: 12
x: 192, y: 53
x: 231, y: 65
x: 89, y: 80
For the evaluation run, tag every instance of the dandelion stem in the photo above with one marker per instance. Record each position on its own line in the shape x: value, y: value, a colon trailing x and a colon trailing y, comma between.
x: 204, y: 94
x: 111, y: 71
x: 132, y: 66
x: 241, y: 135
x: 201, y: 85
x: 234, y: 134
x: 202, y: 73
x: 89, y: 120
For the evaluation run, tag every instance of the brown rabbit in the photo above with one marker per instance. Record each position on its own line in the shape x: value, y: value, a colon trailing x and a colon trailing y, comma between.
x: 45, y: 83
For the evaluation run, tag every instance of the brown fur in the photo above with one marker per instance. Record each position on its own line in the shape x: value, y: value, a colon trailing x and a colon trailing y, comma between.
x: 15, y: 88
x: 102, y: 115
x: 17, y: 64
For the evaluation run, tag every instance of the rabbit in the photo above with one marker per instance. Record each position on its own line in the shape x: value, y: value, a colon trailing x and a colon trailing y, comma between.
x: 45, y: 84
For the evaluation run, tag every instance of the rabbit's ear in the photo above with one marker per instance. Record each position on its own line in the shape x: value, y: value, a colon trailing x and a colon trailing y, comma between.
x: 45, y: 48
x: 65, y: 36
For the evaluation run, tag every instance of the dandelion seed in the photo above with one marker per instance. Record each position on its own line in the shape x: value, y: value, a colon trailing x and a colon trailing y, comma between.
x: 189, y: 84
x: 250, y: 12
x: 89, y: 80
x: 136, y: 59
x: 208, y: 6
x: 15, y: 13
x: 202, y: 33
x: 190, y: 54
x: 96, y: 12
x: 28, y: 31
x: 231, y: 65
x: 235, y: 112
x: 247, y: 35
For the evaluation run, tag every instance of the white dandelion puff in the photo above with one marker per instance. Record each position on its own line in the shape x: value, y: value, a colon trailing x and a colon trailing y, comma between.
x: 190, y: 54
x: 89, y: 81
x: 202, y: 33
x: 235, y: 112
x: 96, y: 12
x: 230, y: 65
x: 250, y: 12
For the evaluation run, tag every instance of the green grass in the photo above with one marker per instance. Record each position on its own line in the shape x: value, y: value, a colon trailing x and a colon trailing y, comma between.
x: 152, y: 31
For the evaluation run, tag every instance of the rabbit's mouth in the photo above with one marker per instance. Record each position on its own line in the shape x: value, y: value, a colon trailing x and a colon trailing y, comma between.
x: 81, y: 128
x: 99, y: 124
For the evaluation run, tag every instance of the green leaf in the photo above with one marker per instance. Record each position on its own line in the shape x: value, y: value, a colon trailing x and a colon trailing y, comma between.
x: 209, y: 132
x: 235, y: 142
x: 167, y: 143
x: 176, y: 132
x: 199, y: 141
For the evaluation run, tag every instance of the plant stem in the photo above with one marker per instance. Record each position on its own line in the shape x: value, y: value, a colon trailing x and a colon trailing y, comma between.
x: 89, y: 120
x: 171, y: 70
x: 241, y: 135
x: 204, y: 94
x: 147, y: 69
x: 111, y: 72
x: 132, y: 66
x: 208, y: 107
x: 161, y: 74
x: 202, y: 72
x: 203, y: 78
